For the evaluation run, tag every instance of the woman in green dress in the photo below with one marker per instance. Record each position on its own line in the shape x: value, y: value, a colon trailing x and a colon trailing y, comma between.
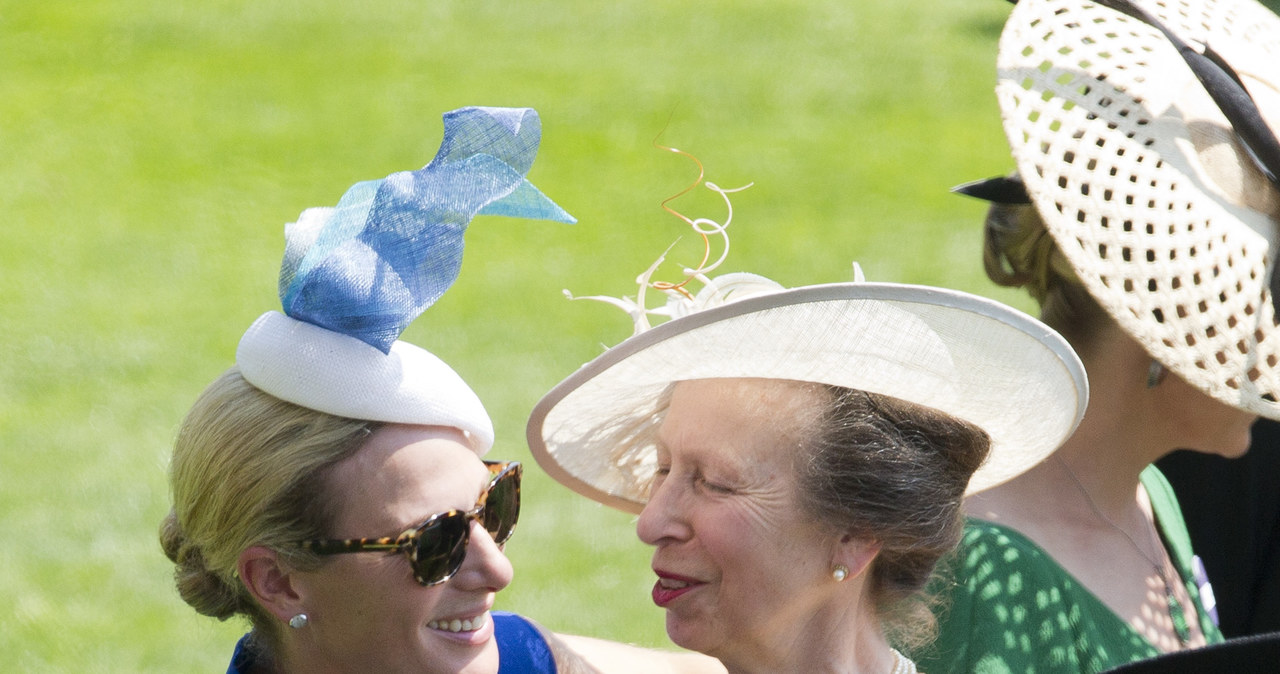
x: 1141, y: 219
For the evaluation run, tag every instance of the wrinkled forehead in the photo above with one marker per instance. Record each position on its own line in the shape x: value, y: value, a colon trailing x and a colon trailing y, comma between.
x: 743, y: 417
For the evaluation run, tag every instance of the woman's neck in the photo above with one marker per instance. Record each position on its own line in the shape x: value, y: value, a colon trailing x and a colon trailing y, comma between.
x: 825, y: 646
x: 1120, y: 434
x: 1124, y: 429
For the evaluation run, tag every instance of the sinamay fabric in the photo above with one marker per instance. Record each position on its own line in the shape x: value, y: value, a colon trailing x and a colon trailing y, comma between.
x: 356, y: 275
x: 391, y: 247
x: 1142, y: 184
x: 967, y: 356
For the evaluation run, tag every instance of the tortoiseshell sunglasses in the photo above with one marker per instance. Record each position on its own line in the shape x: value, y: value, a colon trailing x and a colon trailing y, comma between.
x: 437, y: 547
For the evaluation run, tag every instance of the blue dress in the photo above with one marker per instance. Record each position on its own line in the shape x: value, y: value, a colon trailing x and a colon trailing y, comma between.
x: 521, y: 648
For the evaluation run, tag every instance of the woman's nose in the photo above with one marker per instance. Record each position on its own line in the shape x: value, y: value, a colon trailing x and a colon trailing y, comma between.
x: 486, y: 565
x: 662, y: 518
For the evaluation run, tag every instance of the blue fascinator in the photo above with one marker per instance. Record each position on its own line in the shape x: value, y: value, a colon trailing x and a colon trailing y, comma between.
x: 356, y: 275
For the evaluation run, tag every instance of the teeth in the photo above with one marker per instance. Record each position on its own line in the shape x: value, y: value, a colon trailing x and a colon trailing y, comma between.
x: 457, y: 625
x: 672, y: 584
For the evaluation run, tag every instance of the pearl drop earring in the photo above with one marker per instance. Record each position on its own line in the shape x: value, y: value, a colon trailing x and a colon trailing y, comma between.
x: 840, y: 572
x: 298, y: 622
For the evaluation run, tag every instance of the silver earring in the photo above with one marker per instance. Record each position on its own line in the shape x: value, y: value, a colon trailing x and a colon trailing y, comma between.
x: 1155, y: 373
x: 298, y: 622
x: 840, y: 572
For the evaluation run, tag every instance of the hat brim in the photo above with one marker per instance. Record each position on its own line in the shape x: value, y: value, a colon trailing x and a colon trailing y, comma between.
x: 967, y: 356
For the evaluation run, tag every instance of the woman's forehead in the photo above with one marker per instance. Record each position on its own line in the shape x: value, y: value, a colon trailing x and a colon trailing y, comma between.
x: 752, y: 417
x: 775, y: 403
x: 403, y: 474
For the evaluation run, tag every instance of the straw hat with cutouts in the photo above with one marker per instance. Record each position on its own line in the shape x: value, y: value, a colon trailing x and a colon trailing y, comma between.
x: 1162, y: 196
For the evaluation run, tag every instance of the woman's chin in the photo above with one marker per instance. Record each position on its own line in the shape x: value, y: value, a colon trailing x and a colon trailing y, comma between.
x: 485, y: 662
x: 1226, y: 449
x: 688, y: 634
x: 1238, y: 445
x: 1235, y: 452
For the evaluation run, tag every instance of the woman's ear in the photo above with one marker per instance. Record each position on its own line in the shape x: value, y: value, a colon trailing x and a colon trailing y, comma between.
x: 855, y: 554
x: 266, y: 578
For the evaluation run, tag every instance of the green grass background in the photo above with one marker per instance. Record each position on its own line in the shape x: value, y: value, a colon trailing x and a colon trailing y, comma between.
x: 151, y: 152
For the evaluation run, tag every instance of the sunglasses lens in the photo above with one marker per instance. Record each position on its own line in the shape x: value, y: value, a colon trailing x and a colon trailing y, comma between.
x: 441, y: 547
x: 502, y: 507
x: 441, y: 543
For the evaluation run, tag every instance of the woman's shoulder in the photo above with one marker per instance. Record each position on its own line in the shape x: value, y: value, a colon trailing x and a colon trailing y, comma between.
x: 996, y: 567
x: 986, y: 543
x: 525, y: 646
x: 244, y: 658
x: 522, y: 648
x: 985, y: 593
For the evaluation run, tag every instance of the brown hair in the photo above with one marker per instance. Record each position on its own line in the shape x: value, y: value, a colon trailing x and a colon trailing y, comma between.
x: 884, y: 469
x: 249, y: 469
x: 1018, y: 252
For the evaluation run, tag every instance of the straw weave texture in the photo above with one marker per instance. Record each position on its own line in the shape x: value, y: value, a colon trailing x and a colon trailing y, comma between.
x: 1142, y: 184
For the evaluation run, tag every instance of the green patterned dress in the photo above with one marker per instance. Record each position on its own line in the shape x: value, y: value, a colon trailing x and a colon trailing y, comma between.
x: 1012, y: 608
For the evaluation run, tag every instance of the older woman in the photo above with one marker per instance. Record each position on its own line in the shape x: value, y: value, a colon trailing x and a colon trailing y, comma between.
x: 1144, y: 223
x: 329, y: 488
x: 798, y: 457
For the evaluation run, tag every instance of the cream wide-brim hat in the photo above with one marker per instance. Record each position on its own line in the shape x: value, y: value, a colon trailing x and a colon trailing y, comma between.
x: 967, y: 356
x: 1143, y: 184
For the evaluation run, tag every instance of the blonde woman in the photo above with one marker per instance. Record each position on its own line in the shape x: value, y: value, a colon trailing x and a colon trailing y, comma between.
x: 329, y: 488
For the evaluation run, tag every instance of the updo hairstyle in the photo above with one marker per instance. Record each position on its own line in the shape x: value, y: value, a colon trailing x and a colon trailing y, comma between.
x: 1018, y: 252
x: 249, y: 469
x: 887, y: 470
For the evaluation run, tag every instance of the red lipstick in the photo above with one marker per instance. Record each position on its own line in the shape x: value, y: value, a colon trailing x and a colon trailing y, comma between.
x: 671, y: 587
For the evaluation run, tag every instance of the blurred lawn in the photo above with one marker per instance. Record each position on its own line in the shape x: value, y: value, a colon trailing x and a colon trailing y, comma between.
x: 152, y: 151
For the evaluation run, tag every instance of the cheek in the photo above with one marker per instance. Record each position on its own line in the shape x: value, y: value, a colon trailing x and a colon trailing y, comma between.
x: 374, y: 598
x: 395, y: 597
x: 768, y: 584
x: 758, y: 553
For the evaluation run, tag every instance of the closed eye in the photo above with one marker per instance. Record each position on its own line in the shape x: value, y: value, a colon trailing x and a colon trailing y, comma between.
x: 710, y: 486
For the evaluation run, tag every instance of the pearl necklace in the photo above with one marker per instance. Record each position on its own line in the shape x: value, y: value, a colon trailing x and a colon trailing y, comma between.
x: 902, y: 664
